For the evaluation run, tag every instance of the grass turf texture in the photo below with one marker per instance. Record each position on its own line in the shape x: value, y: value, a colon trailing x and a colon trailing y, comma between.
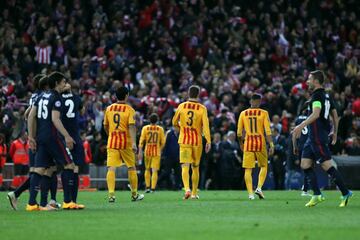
x: 164, y: 215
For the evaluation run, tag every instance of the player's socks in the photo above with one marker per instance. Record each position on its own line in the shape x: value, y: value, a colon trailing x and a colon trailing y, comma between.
x: 154, y: 179
x: 147, y: 178
x: 262, y: 177
x: 75, y: 188
x: 133, y: 179
x: 338, y: 180
x: 67, y: 179
x: 248, y: 181
x: 110, y: 179
x: 45, y: 187
x: 185, y: 177
x: 195, y: 180
x: 34, y: 188
x: 22, y: 188
x: 310, y: 175
x: 53, y: 186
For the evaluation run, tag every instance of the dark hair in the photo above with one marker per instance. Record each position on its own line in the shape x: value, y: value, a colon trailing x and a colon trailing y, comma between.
x: 36, y: 80
x: 121, y: 93
x: 43, y: 82
x: 318, y: 75
x: 194, y: 91
x: 256, y: 96
x: 54, y: 78
x: 153, y: 118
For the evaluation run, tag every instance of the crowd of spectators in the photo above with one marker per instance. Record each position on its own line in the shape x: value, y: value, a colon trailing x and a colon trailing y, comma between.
x: 159, y: 48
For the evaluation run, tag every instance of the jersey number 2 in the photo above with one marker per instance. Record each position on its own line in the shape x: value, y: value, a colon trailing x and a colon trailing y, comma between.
x: 70, y: 113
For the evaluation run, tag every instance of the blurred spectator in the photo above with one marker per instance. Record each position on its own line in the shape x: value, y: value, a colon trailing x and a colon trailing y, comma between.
x: 84, y: 169
x: 19, y: 154
x: 3, y: 155
x: 278, y: 160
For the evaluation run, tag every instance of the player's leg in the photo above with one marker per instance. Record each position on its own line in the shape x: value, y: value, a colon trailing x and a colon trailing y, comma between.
x: 262, y: 159
x: 53, y: 189
x: 196, y: 155
x: 185, y: 161
x: 155, y: 166
x: 147, y: 174
x: 78, y: 154
x: 113, y: 161
x: 45, y: 187
x: 248, y: 164
x: 336, y: 176
x: 128, y: 157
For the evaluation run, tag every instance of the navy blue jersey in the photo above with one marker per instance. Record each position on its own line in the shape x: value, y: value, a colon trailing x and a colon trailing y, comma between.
x: 70, y: 113
x: 46, y: 103
x: 320, y: 128
x: 304, y: 132
x: 33, y: 98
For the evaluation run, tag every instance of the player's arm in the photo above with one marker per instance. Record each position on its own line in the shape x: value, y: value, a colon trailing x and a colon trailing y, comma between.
x: 335, y: 118
x: 132, y: 129
x: 27, y: 112
x: 240, y: 129
x: 162, y: 139
x: 206, y: 130
x: 175, y: 120
x: 316, y: 109
x: 294, y: 144
x: 55, y: 115
x: 31, y: 121
x: 268, y: 133
x: 142, y: 142
x: 106, y: 123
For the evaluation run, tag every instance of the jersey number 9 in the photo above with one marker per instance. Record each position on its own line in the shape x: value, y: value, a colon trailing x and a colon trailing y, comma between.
x: 117, y: 120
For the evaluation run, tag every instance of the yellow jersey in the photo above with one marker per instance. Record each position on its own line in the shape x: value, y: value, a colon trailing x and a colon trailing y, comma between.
x: 153, y: 137
x: 118, y: 117
x: 192, y: 120
x: 253, y: 124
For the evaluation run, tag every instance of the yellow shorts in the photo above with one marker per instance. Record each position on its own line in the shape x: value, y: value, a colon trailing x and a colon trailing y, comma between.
x: 189, y: 154
x: 250, y: 158
x: 117, y: 158
x: 152, y: 162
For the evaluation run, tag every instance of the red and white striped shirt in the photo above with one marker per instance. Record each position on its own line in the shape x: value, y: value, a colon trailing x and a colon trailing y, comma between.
x: 43, y: 54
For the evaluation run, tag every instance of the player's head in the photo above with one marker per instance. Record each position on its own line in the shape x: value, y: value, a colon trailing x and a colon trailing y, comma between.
x: 194, y: 91
x: 316, y: 79
x: 36, y: 81
x: 153, y: 118
x: 122, y: 93
x: 43, y: 83
x: 57, y: 81
x: 255, y: 100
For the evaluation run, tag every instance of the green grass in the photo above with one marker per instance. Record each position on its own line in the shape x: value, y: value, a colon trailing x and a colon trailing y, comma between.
x: 164, y: 215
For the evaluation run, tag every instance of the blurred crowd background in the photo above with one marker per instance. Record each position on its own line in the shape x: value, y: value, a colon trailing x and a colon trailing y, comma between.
x: 159, y: 48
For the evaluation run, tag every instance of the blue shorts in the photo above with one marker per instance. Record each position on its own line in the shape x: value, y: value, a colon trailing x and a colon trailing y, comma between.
x: 317, y: 152
x: 48, y: 152
x: 78, y: 153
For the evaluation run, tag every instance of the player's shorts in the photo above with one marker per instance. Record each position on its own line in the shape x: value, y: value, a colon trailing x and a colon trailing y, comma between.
x: 190, y: 154
x: 249, y: 159
x: 21, y: 170
x: 47, y: 153
x: 117, y: 157
x: 317, y: 152
x: 78, y: 153
x: 152, y: 162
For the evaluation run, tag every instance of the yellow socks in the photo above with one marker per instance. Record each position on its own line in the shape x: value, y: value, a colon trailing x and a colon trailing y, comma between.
x: 195, y: 180
x: 147, y: 178
x: 110, y: 179
x: 154, y: 178
x: 133, y: 179
x: 185, y: 176
x: 248, y: 180
x: 262, y: 176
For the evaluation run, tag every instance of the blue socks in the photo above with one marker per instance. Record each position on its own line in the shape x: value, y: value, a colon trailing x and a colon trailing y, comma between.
x: 334, y: 174
x: 35, y: 180
x: 312, y: 180
x: 67, y: 178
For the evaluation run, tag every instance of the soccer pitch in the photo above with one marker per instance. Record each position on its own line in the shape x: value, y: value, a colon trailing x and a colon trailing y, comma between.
x: 164, y: 215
